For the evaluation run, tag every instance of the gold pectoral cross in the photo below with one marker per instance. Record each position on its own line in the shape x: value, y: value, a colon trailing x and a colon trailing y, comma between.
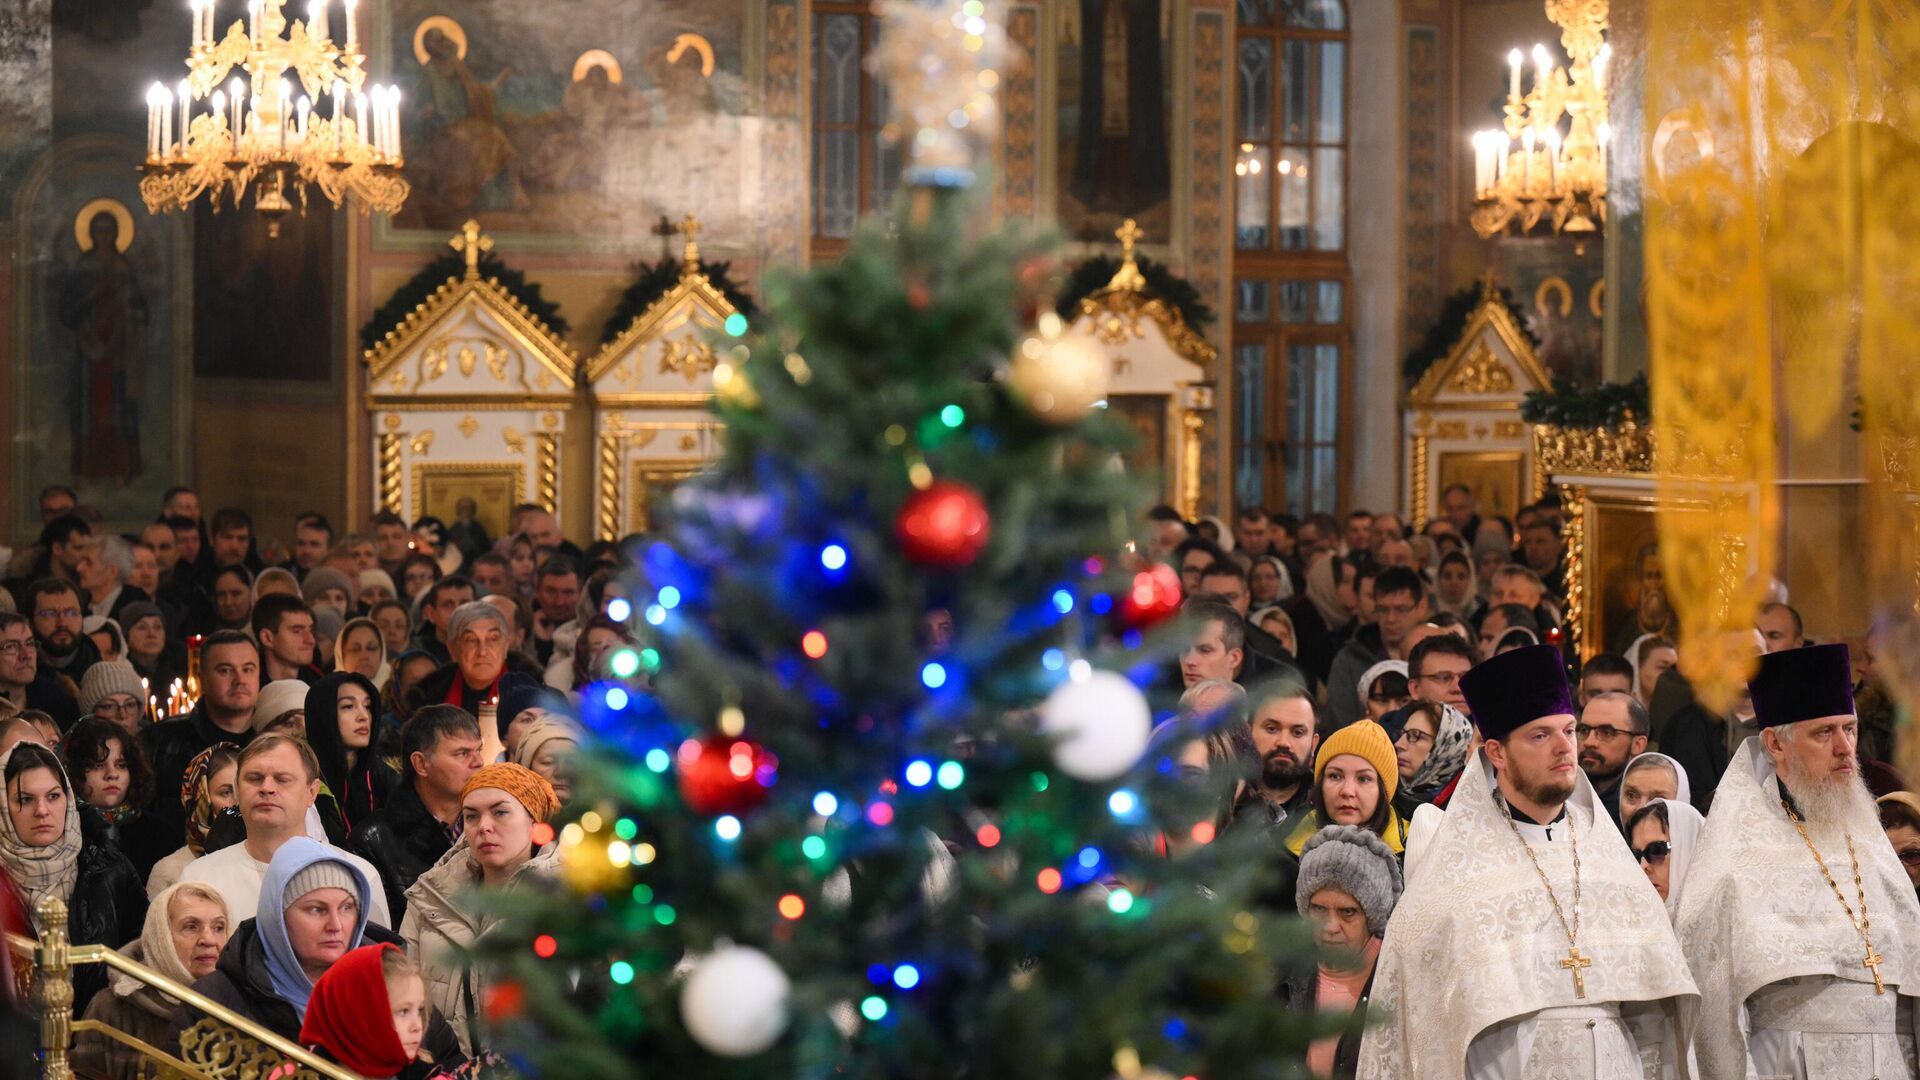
x: 1872, y: 963
x: 1575, y: 962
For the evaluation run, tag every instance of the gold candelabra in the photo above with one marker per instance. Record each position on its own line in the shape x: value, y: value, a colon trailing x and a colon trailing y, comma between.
x: 256, y: 133
x: 1535, y: 168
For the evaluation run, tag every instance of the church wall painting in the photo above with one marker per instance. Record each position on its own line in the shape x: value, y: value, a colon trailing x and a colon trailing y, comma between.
x: 575, y: 128
x: 100, y: 335
x: 1114, y: 75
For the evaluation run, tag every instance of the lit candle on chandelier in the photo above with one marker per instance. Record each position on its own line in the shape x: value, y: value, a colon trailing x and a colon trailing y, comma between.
x: 199, y: 11
x: 339, y: 115
x: 253, y: 20
x: 1514, y: 60
x: 156, y: 108
x: 353, y: 32
x: 375, y: 136
x: 1600, y: 61
x: 1545, y: 63
x: 360, y: 114
x: 317, y: 20
x: 185, y: 96
x: 237, y: 102
x: 218, y: 103
x: 393, y: 122
x: 305, y: 107
x: 1553, y: 158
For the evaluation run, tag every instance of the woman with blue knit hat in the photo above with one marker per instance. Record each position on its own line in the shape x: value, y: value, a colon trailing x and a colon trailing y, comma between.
x: 1349, y: 883
x: 1542, y: 949
x: 312, y: 911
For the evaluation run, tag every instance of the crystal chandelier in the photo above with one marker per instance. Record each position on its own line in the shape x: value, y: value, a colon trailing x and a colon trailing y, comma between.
x: 1549, y: 162
x: 260, y: 132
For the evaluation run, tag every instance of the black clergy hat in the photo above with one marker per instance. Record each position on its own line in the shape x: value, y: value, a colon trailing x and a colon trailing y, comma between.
x: 1516, y: 688
x: 1802, y: 684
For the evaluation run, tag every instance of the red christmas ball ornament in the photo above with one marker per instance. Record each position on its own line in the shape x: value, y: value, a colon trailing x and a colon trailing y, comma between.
x: 504, y: 1001
x: 944, y: 526
x: 1153, y: 597
x: 724, y: 774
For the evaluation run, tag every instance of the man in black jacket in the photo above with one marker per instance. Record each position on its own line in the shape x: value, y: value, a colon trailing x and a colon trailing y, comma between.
x: 229, y: 688
x: 24, y: 682
x: 403, y: 839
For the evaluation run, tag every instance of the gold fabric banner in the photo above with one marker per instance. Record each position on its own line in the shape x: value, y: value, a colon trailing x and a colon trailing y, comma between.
x: 1781, y: 270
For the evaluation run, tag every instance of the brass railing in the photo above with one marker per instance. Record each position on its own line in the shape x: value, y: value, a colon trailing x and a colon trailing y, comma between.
x: 223, y: 1045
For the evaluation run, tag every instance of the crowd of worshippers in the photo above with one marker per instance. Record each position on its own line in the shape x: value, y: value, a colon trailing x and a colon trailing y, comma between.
x: 1520, y: 865
x: 1447, y: 800
x: 301, y: 845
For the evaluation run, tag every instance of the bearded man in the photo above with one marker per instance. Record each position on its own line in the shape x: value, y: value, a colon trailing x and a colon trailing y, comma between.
x: 1285, y: 735
x: 1542, y: 950
x: 1798, y: 920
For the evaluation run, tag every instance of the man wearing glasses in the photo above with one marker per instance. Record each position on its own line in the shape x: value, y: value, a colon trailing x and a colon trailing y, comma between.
x: 1612, y: 729
x: 57, y: 613
x: 23, y: 681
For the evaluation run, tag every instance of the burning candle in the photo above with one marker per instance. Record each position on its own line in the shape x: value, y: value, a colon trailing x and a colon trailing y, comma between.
x: 353, y: 33
x: 158, y: 108
x: 317, y: 20
x: 218, y: 103
x: 339, y: 115
x: 236, y: 101
x: 393, y: 121
x: 185, y: 97
x: 253, y: 20
x: 1545, y: 63
x: 360, y: 115
x: 1514, y: 60
x: 305, y: 107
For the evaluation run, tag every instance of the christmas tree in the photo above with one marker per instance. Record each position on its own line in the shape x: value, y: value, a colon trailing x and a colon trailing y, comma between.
x: 821, y: 836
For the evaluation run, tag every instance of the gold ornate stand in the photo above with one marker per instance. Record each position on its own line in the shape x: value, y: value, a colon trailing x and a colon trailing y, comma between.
x: 222, y: 1046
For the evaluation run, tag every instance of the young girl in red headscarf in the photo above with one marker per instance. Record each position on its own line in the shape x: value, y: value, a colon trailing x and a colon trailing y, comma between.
x: 369, y: 1012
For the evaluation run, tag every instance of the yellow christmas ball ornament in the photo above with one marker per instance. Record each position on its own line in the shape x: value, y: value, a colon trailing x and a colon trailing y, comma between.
x: 1059, y: 379
x: 594, y: 862
x: 731, y: 385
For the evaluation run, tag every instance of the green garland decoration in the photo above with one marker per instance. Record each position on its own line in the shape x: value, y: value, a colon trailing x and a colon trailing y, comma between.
x: 1449, y: 325
x: 453, y: 264
x: 653, y: 280
x: 1602, y: 405
x: 1162, y: 284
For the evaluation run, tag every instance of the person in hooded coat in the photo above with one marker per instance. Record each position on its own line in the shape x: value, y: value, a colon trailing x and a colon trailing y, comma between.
x: 48, y: 848
x: 500, y: 806
x: 185, y: 929
x: 312, y: 911
x: 343, y: 735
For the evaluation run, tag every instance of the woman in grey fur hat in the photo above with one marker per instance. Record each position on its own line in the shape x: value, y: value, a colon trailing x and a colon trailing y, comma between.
x: 1349, y: 882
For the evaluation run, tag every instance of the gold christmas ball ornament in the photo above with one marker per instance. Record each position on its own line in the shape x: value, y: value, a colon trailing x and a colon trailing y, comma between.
x: 594, y: 862
x: 731, y: 385
x: 1059, y: 379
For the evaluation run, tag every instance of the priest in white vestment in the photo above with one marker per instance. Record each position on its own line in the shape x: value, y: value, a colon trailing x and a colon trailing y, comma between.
x: 1797, y: 919
x: 1530, y: 946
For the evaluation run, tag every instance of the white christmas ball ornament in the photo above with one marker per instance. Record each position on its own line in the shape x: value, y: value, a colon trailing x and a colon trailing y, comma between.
x: 1102, y: 723
x: 1060, y: 379
x: 735, y: 1002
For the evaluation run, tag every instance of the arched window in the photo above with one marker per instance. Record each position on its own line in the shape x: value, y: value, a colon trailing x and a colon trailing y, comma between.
x: 1291, y: 321
x: 854, y: 170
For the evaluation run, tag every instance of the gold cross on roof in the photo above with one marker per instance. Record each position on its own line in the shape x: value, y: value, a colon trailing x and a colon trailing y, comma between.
x: 690, y: 228
x: 472, y: 244
x: 1128, y: 277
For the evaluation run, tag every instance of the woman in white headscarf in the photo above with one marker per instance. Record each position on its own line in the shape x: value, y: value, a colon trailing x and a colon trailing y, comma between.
x: 1651, y: 776
x: 1663, y: 835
